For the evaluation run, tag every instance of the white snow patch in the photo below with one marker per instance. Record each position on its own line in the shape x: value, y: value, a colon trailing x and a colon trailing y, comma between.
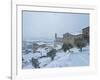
x: 61, y: 62
x: 44, y: 61
x: 27, y: 57
x: 42, y: 51
x: 58, y: 47
x: 29, y: 66
x: 40, y: 43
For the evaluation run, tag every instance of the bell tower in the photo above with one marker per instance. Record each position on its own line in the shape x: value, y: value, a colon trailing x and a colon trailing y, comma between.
x: 55, y: 44
x: 55, y: 35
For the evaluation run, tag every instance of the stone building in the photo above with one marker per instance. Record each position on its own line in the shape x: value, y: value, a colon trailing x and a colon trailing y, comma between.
x: 85, y: 33
x: 70, y: 38
x: 66, y: 38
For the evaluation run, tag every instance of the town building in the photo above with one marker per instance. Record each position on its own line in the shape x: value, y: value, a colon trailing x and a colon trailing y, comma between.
x: 85, y: 33
x: 66, y: 38
x: 70, y: 38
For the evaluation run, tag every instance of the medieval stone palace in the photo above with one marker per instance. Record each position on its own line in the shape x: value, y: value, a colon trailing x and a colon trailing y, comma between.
x: 69, y: 38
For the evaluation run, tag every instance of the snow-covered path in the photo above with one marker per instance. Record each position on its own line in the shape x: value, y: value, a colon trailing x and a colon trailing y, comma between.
x: 75, y: 58
x: 79, y: 59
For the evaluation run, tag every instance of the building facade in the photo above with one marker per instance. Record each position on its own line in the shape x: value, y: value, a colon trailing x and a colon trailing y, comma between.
x: 85, y: 33
x: 70, y: 38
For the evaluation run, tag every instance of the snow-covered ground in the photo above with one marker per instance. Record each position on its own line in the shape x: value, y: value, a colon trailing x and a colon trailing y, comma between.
x: 61, y: 59
x: 73, y: 58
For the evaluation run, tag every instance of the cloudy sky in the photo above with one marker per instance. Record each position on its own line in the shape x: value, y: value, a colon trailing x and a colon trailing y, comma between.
x: 44, y: 25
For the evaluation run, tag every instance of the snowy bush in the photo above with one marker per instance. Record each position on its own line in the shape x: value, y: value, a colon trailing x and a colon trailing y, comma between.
x: 52, y: 54
x: 67, y: 46
x: 35, y: 63
x: 79, y: 43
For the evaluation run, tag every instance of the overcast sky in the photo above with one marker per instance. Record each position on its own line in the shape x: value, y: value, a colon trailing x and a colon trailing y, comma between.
x: 44, y: 25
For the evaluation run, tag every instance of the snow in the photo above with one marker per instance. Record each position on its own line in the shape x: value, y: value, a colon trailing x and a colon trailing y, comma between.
x: 28, y: 66
x: 36, y: 55
x: 59, y: 62
x: 76, y: 58
x: 42, y: 51
x: 27, y: 57
x: 62, y: 59
x: 79, y: 59
x: 58, y: 47
x: 60, y: 54
x: 44, y: 61
x: 40, y: 43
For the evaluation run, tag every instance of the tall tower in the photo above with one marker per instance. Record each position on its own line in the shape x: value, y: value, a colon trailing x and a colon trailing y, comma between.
x: 55, y: 35
x: 55, y: 40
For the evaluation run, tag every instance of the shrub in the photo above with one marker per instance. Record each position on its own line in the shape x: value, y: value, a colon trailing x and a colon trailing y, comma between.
x: 52, y: 54
x: 67, y: 46
x: 79, y: 43
x: 35, y: 63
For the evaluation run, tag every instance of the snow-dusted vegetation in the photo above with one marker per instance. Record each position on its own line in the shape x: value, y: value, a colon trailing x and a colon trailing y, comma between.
x: 48, y: 56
